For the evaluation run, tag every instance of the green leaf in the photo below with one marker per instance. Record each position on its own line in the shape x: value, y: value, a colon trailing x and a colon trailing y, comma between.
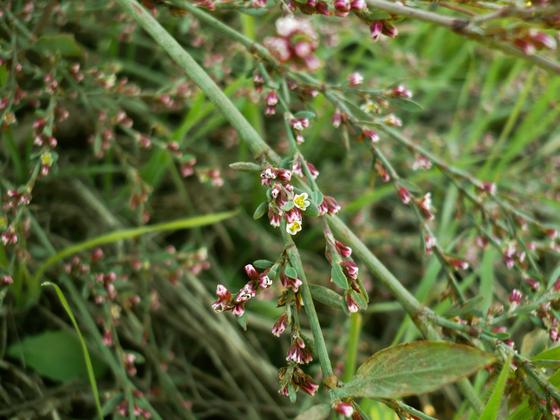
x: 548, y: 354
x: 492, y: 408
x: 63, y: 44
x: 327, y: 296
x: 55, y: 355
x: 260, y: 210
x: 119, y: 235
x: 338, y: 276
x: 414, y: 368
x: 262, y: 264
x: 242, y: 321
x: 305, y: 114
x: 316, y: 197
x: 90, y: 366
x: 315, y: 412
x: 291, y: 272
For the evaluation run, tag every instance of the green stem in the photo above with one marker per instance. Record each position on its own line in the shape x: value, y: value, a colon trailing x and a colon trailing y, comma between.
x: 352, y: 346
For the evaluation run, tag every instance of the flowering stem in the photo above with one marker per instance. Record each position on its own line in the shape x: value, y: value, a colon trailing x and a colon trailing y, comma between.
x: 195, y: 72
x: 319, y: 340
x: 465, y: 27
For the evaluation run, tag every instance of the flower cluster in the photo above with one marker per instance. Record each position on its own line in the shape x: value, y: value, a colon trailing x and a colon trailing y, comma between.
x: 293, y: 378
x: 286, y: 203
x: 236, y: 304
x: 296, y: 43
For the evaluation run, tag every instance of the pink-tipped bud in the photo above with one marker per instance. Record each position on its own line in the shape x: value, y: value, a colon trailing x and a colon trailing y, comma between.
x: 515, y: 297
x: 351, y: 304
x: 344, y: 250
x: 344, y: 408
x: 376, y: 29
x: 371, y: 135
x: 280, y: 325
x: 355, y: 79
x: 251, y: 271
x: 271, y: 99
x: 404, y: 195
x: 342, y: 7
x: 350, y: 269
x: 358, y: 5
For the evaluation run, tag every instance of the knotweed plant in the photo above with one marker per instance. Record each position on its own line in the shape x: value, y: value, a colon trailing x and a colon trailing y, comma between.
x: 400, y: 162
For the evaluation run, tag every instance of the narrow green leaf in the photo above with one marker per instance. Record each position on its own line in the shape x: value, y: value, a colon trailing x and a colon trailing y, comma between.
x: 338, y: 276
x: 260, y: 210
x: 327, y: 296
x: 63, y: 44
x: 87, y: 358
x: 414, y: 368
x: 262, y: 264
x: 119, y: 235
x: 492, y: 408
x: 291, y: 272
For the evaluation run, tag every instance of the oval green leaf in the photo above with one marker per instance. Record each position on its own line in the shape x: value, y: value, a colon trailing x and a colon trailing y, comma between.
x: 414, y: 368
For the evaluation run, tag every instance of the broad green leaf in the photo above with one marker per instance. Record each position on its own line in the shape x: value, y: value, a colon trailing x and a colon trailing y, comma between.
x: 338, y: 276
x: 414, y: 368
x: 63, y: 44
x: 492, y: 408
x: 56, y: 355
x: 315, y: 412
x: 548, y: 354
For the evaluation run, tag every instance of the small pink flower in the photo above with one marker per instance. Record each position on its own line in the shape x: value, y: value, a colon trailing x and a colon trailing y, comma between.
x: 430, y: 244
x: 251, y: 272
x: 329, y: 206
x: 404, y: 195
x: 425, y: 205
x: 401, y: 91
x: 351, y: 303
x: 342, y: 7
x: 344, y: 408
x: 238, y: 310
x: 515, y: 297
x: 355, y: 79
x: 358, y: 5
x: 458, y: 263
x: 6, y: 280
x: 280, y: 325
x: 337, y: 118
x: 532, y: 283
x: 376, y: 29
x: 371, y: 135
x: 309, y: 388
x: 350, y: 269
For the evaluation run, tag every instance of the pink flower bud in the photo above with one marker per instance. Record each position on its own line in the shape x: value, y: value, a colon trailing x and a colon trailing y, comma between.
x: 350, y: 269
x: 358, y: 5
x: 351, y: 303
x: 342, y: 7
x: 376, y: 29
x: 404, y: 195
x: 515, y: 297
x: 344, y: 250
x: 355, y: 79
x: 344, y: 408
x: 280, y: 325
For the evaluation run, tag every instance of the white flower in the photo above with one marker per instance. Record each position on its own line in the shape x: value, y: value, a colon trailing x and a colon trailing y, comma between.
x: 301, y: 201
x: 294, y: 227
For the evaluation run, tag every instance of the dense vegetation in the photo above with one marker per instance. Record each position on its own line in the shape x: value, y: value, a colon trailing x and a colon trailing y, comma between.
x: 293, y: 209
